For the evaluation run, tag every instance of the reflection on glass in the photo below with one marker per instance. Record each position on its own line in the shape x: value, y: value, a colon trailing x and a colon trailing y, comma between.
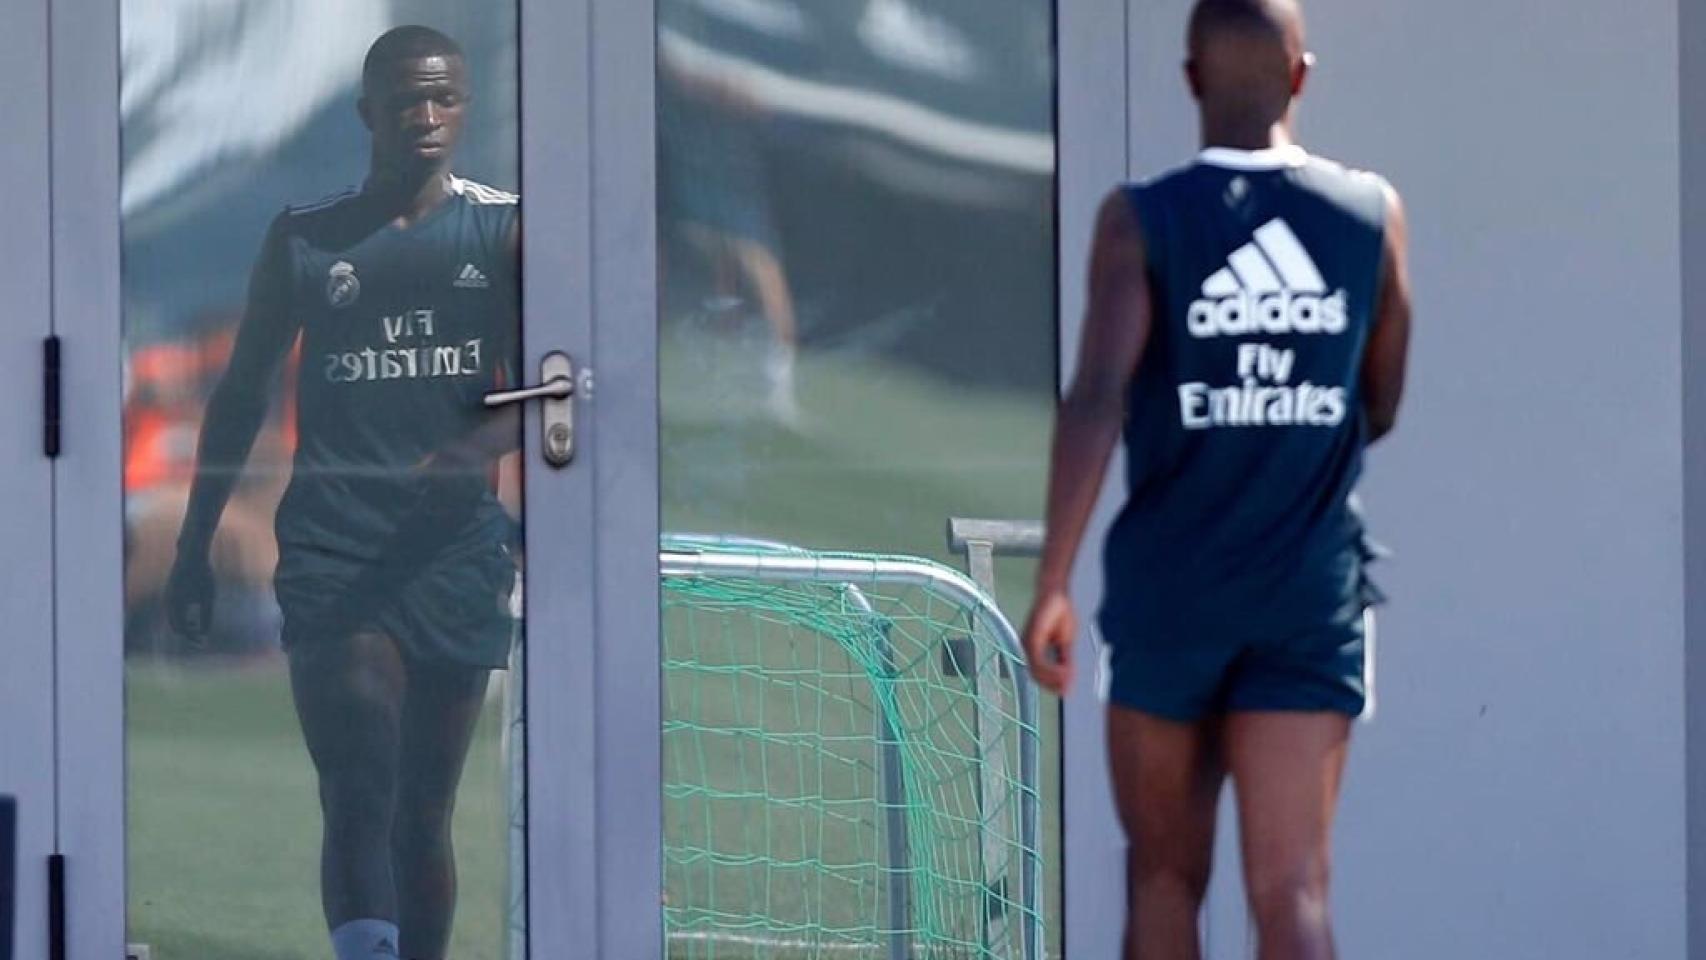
x: 322, y: 527
x: 857, y: 342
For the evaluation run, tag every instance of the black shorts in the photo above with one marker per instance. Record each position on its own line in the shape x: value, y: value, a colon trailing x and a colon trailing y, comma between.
x: 456, y: 608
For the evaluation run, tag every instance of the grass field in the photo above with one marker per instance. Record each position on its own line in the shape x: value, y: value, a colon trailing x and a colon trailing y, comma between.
x: 225, y: 827
x: 224, y: 820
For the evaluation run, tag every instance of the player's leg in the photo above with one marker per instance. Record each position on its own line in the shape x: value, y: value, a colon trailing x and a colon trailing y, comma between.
x: 349, y: 698
x: 1290, y: 705
x: 440, y: 711
x: 764, y: 274
x: 1167, y: 778
x: 1287, y: 768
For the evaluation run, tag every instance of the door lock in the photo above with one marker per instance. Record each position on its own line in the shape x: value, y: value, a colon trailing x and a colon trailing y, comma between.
x: 557, y: 415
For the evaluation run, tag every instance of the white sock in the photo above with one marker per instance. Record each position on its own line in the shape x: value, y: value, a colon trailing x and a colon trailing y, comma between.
x: 779, y: 372
x: 366, y: 940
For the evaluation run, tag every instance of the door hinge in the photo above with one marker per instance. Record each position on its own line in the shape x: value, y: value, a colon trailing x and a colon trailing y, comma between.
x: 56, y: 906
x: 50, y: 397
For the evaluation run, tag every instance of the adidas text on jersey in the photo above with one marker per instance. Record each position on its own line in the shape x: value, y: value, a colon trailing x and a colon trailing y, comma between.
x: 1270, y: 285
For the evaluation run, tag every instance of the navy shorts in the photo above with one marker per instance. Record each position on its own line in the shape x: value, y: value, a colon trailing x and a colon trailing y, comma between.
x: 1185, y: 678
x: 455, y: 609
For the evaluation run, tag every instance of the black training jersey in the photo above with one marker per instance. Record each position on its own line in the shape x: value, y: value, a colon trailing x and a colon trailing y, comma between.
x: 1245, y: 431
x: 403, y: 331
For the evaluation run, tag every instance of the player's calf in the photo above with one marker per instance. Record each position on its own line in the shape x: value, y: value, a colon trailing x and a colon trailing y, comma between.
x: 424, y: 863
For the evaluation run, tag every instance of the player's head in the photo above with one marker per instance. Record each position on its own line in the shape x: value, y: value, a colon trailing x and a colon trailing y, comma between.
x: 1247, y: 59
x: 414, y: 89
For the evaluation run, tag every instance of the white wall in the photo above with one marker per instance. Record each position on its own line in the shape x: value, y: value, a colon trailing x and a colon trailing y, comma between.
x: 1522, y: 793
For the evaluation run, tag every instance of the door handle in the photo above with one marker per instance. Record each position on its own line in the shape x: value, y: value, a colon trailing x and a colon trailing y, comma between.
x: 555, y: 388
x: 557, y: 414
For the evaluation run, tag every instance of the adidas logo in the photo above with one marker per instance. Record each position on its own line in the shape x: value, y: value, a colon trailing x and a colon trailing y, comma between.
x: 1269, y: 285
x: 471, y: 278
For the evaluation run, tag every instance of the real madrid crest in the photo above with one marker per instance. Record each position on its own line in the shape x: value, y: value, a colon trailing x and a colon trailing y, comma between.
x: 1237, y: 192
x: 342, y: 285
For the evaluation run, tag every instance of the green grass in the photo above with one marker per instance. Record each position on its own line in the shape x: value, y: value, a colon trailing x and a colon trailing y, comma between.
x: 224, y: 820
x: 225, y: 827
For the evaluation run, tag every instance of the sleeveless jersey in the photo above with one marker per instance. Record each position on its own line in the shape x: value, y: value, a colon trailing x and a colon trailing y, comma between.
x: 1245, y: 430
x: 403, y: 331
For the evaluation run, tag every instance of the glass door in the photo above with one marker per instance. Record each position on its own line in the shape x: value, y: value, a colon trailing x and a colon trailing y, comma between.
x: 359, y: 662
x: 321, y: 246
x: 857, y: 338
x: 341, y: 655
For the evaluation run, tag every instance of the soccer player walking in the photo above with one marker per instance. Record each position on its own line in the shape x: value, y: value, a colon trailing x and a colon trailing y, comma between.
x: 1247, y: 332
x: 394, y: 571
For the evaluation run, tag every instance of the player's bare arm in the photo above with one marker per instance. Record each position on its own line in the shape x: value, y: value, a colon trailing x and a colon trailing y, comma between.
x: 1087, y: 426
x: 1389, y: 342
x: 234, y: 417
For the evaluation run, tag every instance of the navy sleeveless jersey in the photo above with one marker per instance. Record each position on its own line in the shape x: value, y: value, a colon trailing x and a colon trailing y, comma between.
x: 1245, y: 430
x: 403, y: 331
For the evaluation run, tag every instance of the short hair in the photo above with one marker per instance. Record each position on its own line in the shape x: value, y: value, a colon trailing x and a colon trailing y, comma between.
x: 411, y: 42
x: 1276, y: 18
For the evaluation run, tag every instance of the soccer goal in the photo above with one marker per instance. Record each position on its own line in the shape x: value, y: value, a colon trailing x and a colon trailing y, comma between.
x: 850, y: 760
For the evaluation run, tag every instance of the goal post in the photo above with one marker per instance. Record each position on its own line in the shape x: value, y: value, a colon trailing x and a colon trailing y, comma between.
x: 832, y: 786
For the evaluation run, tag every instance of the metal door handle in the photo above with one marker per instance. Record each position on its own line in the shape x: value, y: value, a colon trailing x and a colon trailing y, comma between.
x: 557, y: 415
x: 556, y: 387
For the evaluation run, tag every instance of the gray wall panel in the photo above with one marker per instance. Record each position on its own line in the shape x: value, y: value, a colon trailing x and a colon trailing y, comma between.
x: 1692, y: 31
x: 1525, y: 778
x: 1093, y: 157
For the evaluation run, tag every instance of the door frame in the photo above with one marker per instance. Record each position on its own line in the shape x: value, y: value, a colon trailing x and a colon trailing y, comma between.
x: 88, y: 566
x: 594, y: 714
x: 26, y: 479
x: 594, y: 851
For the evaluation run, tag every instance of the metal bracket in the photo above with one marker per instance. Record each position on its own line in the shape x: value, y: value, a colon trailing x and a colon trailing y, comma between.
x: 979, y: 541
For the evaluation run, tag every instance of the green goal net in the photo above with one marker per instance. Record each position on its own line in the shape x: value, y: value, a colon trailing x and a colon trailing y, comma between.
x: 850, y: 760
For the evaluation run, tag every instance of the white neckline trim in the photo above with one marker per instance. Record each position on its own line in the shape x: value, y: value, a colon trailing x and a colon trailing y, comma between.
x: 1272, y: 158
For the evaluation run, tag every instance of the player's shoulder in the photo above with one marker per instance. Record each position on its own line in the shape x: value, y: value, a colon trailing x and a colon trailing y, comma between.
x: 299, y: 215
x: 1146, y: 207
x: 482, y: 195
x: 1359, y: 192
x: 316, y: 219
x: 1327, y: 167
x: 1137, y: 199
x: 1165, y: 181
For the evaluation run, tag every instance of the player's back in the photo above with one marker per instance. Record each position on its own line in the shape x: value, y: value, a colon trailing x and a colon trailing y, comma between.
x: 1245, y: 432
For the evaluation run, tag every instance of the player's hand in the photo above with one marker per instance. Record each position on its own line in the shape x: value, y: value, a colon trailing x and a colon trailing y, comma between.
x: 189, y: 596
x: 1049, y: 638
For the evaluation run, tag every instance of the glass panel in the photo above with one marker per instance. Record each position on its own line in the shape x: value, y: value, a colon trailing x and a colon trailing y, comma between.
x: 322, y: 606
x: 857, y: 343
